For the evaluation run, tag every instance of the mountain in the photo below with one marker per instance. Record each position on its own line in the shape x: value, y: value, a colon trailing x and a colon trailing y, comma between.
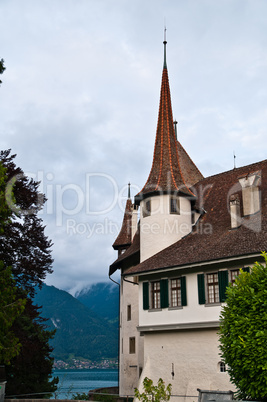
x: 80, y: 331
x: 103, y: 299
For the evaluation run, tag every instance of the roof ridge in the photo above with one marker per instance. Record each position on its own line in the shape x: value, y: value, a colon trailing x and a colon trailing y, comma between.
x: 231, y: 170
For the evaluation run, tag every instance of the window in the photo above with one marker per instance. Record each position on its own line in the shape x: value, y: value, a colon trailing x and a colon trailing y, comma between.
x: 129, y: 312
x: 147, y: 208
x: 164, y: 293
x: 155, y: 294
x: 132, y: 345
x: 213, y: 288
x: 174, y: 205
x: 222, y: 367
x: 234, y: 274
x: 176, y: 297
x: 214, y: 285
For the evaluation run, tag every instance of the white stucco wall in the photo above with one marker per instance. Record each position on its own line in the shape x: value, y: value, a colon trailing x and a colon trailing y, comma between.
x: 193, y: 354
x: 130, y: 364
x: 161, y: 229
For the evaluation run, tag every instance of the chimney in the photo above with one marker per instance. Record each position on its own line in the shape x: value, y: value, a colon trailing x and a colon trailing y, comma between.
x: 235, y: 211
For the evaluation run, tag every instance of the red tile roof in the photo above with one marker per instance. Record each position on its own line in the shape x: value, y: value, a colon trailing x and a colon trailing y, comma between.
x: 212, y: 237
x: 191, y: 174
x: 130, y: 255
x: 124, y: 237
x: 166, y: 174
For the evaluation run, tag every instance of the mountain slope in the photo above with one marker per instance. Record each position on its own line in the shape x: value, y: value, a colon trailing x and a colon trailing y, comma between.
x: 103, y: 299
x: 80, y: 331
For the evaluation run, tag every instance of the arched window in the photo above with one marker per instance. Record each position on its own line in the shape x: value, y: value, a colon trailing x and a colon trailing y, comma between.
x: 222, y: 367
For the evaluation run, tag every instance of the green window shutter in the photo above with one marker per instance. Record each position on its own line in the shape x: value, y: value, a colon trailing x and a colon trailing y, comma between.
x: 245, y: 269
x: 145, y: 295
x: 223, y: 283
x: 183, y: 291
x: 164, y: 293
x: 201, y: 288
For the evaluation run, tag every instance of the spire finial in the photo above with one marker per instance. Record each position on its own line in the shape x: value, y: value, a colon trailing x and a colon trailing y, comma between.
x: 165, y: 43
x: 175, y: 128
x: 234, y: 160
x: 129, y: 190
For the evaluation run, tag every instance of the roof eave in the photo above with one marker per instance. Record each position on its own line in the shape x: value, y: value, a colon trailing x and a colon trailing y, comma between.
x: 192, y: 265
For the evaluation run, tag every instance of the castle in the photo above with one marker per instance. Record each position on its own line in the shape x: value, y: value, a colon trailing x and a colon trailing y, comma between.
x: 182, y: 240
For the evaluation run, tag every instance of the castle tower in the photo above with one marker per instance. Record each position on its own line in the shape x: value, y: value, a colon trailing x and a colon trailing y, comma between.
x: 165, y: 199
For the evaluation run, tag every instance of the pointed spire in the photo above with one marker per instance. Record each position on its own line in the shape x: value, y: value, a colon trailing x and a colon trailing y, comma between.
x: 124, y: 238
x: 129, y: 191
x: 165, y: 175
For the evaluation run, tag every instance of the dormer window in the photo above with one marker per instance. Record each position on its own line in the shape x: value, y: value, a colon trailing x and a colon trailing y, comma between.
x: 147, y: 208
x: 251, y: 192
x: 175, y: 205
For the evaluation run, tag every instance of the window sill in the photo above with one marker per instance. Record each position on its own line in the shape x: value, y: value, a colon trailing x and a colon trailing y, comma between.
x: 175, y: 308
x: 152, y: 310
x: 212, y: 304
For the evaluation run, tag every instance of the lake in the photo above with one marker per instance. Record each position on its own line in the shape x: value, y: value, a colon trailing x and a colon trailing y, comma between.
x: 82, y: 381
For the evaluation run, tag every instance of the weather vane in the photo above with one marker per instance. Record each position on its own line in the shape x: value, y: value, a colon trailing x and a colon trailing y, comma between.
x: 234, y: 160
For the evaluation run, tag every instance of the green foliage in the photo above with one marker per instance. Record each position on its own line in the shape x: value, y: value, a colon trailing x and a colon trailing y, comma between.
x: 10, y: 309
x: 23, y: 244
x: 155, y: 393
x: 30, y: 371
x: 104, y: 396
x: 4, y: 210
x: 243, y: 333
x: 10, y: 305
x: 24, y: 339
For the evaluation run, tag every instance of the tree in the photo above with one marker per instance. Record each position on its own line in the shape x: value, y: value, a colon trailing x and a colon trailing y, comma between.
x: 155, y: 393
x: 23, y: 244
x: 2, y: 68
x: 243, y: 333
x: 25, y: 248
x: 10, y: 306
x: 30, y: 371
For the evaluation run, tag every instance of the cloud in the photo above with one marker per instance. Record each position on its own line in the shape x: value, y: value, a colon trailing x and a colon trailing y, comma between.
x: 80, y: 98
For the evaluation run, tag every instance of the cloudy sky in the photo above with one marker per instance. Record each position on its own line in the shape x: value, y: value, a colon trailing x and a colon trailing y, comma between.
x: 80, y: 96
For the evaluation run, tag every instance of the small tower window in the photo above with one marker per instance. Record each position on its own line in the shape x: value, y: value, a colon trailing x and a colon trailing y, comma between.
x: 174, y: 206
x: 132, y: 345
x: 147, y: 209
x: 129, y: 312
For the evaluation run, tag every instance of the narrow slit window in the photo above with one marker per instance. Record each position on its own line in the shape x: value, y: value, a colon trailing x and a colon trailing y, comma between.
x: 132, y: 345
x: 174, y: 205
x: 147, y: 208
x: 129, y: 312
